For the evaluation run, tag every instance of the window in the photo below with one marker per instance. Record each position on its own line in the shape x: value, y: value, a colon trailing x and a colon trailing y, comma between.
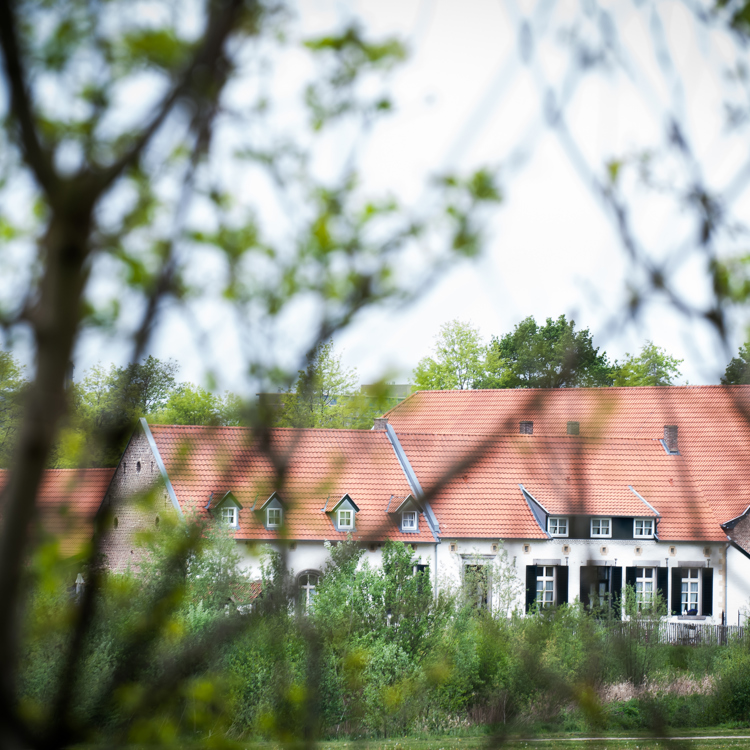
x: 557, y: 526
x: 545, y: 586
x: 644, y: 587
x: 601, y: 527
x: 526, y: 428
x: 308, y: 583
x: 273, y: 518
x: 574, y: 428
x: 346, y: 519
x: 600, y: 588
x: 643, y: 528
x: 409, y: 520
x: 689, y: 592
x: 229, y: 515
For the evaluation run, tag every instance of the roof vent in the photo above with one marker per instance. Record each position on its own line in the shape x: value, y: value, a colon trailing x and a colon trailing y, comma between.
x: 670, y: 438
x: 574, y: 428
x: 380, y: 423
x: 527, y: 428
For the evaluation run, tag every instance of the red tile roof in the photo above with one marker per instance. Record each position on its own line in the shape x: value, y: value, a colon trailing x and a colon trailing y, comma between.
x: 68, y: 500
x: 319, y: 467
x: 566, y: 475
x: 713, y: 422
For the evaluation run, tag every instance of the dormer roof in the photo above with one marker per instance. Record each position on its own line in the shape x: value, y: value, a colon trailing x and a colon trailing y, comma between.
x: 273, y: 496
x: 219, y: 498
x: 408, y: 501
x: 345, y: 497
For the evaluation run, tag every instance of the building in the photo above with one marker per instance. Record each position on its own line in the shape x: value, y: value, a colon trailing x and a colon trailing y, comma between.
x: 576, y: 492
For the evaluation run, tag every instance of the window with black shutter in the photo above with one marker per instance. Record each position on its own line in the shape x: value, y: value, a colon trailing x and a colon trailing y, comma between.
x: 707, y: 595
x: 530, y: 586
x: 562, y: 585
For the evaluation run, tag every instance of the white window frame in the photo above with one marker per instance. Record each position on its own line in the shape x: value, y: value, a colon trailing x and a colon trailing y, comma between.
x: 599, y: 519
x: 687, y: 580
x: 307, y: 589
x: 643, y: 521
x: 229, y: 515
x: 412, y: 515
x: 269, y: 523
x: 556, y: 520
x: 339, y: 515
x: 548, y: 576
x: 645, y: 587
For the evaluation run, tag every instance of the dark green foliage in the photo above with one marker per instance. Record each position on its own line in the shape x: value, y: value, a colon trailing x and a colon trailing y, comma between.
x: 376, y: 655
x: 554, y: 355
x: 738, y: 369
x: 107, y: 404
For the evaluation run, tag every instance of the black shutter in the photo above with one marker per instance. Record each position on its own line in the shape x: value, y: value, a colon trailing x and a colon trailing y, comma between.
x: 562, y: 584
x: 530, y: 586
x: 586, y: 573
x: 662, y: 583
x: 676, y: 590
x: 708, y: 592
x: 616, y: 590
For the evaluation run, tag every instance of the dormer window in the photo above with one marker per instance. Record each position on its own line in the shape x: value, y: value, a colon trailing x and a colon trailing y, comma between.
x: 601, y: 527
x: 273, y: 518
x: 643, y: 528
x: 409, y: 520
x: 557, y: 526
x: 343, y: 514
x: 225, y: 507
x: 346, y: 519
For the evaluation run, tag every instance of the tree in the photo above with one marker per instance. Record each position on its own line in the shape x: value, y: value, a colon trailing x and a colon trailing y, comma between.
x: 554, y: 355
x: 324, y: 394
x: 12, y: 388
x: 652, y: 366
x: 190, y: 404
x: 112, y: 124
x: 458, y: 360
x: 738, y: 369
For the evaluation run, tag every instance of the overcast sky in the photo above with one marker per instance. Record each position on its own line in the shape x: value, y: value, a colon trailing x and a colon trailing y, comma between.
x: 465, y: 98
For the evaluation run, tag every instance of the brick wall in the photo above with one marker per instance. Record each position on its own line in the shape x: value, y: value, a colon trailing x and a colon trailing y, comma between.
x: 129, y: 507
x: 741, y: 533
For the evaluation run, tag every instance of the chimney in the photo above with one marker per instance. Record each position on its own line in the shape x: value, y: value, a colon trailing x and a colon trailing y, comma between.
x: 526, y: 428
x: 380, y: 423
x: 670, y: 438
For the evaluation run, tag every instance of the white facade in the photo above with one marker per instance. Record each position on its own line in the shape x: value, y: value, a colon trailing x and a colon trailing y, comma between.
x: 507, y: 562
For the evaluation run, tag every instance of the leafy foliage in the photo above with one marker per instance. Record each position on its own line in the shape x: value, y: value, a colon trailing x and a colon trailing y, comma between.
x: 554, y: 355
x: 652, y: 366
x: 738, y: 369
x: 458, y: 361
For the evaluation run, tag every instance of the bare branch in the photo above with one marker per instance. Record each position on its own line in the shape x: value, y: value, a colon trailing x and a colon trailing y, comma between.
x: 37, y: 157
x: 208, y: 68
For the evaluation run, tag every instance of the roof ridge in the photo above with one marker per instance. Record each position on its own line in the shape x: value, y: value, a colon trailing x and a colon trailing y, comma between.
x: 603, y: 388
x: 329, y: 430
x: 518, y: 436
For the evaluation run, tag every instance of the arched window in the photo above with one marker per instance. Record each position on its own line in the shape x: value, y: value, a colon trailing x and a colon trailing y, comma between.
x: 308, y: 583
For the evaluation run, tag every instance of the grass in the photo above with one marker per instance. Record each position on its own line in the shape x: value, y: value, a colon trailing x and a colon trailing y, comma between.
x: 696, y: 740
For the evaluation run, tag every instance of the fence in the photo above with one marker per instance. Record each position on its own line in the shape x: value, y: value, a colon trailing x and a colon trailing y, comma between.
x: 679, y: 633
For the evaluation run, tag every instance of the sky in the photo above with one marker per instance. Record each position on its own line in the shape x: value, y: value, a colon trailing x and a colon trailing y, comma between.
x: 466, y: 98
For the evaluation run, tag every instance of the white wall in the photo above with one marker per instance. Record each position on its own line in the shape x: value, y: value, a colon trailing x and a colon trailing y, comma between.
x: 519, y: 553
x: 738, y: 586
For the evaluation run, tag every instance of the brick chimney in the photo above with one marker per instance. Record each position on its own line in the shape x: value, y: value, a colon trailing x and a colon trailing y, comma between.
x: 381, y: 422
x: 670, y: 438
